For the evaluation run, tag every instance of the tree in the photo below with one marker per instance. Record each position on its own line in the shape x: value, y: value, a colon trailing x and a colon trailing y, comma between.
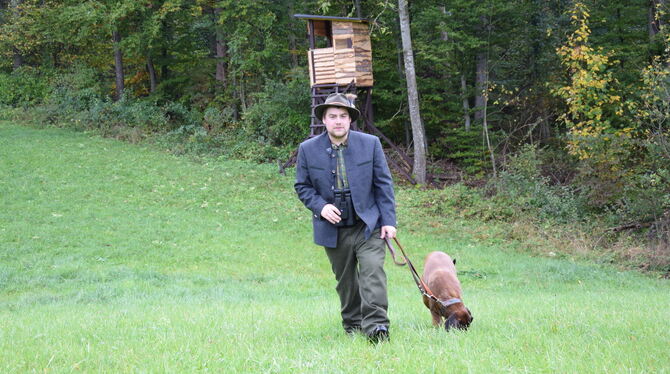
x: 419, y: 168
x: 18, y: 59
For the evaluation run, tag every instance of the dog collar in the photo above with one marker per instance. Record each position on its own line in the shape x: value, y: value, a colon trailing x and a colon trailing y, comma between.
x: 450, y: 302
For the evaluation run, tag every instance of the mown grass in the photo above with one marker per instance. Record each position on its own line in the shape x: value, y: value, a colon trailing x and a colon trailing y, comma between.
x: 119, y: 258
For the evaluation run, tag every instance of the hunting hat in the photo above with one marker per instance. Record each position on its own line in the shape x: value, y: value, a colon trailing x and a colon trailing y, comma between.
x: 338, y: 100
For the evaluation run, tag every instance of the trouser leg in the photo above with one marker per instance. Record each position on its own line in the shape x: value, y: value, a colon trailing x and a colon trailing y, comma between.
x: 372, y: 282
x: 345, y: 267
x: 358, y: 265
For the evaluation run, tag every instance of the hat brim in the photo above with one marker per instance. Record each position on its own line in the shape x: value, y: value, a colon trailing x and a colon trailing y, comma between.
x: 320, y: 109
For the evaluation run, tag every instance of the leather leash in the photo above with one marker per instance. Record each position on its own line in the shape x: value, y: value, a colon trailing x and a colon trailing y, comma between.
x: 423, y: 288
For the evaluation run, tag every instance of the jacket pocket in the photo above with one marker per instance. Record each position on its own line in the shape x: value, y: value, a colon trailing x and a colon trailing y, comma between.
x: 364, y: 163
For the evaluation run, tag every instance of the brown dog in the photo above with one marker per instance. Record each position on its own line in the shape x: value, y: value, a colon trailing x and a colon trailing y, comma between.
x: 439, y: 274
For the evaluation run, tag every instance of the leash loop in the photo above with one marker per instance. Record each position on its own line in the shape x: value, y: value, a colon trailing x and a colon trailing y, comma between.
x: 423, y: 287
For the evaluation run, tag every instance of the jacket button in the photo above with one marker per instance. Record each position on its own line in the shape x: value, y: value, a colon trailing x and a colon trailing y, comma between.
x: 332, y: 171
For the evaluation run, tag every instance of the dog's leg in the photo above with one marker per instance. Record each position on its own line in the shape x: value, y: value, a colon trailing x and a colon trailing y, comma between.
x: 437, y: 317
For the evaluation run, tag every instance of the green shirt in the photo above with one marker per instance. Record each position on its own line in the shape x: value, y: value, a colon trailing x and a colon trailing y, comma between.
x: 341, y: 174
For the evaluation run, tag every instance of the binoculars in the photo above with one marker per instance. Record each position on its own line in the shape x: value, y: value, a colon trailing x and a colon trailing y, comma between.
x: 346, y: 207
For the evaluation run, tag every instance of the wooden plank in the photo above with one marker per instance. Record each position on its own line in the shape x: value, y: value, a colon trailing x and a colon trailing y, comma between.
x: 322, y: 51
x: 311, y: 68
x: 362, y: 44
x: 340, y: 57
x: 342, y: 27
x: 363, y: 55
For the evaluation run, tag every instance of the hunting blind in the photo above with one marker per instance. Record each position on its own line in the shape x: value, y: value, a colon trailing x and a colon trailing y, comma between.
x: 347, y: 56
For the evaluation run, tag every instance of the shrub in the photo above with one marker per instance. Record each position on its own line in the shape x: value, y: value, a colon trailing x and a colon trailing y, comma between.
x: 523, y: 185
x: 464, y: 147
x: 110, y: 116
x: 25, y: 86
x: 280, y: 115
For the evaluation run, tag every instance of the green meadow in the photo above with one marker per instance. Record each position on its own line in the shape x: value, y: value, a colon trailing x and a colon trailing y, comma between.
x: 120, y: 258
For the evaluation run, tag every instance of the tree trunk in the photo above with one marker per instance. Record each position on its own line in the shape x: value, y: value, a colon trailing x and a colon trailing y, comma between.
x: 243, y: 95
x: 153, y: 80
x: 16, y: 54
x: 401, y: 73
x: 221, y: 65
x: 18, y: 59
x: 292, y: 44
x: 412, y: 95
x: 118, y: 63
x: 485, y: 130
x: 221, y: 53
x: 481, y: 75
x: 443, y: 34
x: 165, y: 67
x: 165, y: 58
x: 480, y: 85
x: 466, y: 103
x: 654, y: 17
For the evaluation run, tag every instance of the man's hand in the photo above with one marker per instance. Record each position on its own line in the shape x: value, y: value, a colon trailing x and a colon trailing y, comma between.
x: 388, y: 232
x: 331, y: 213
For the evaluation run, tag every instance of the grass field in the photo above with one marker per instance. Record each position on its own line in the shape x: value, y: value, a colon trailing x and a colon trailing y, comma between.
x: 119, y: 258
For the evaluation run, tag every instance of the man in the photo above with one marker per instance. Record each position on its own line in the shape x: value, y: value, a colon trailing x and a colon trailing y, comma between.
x: 343, y: 178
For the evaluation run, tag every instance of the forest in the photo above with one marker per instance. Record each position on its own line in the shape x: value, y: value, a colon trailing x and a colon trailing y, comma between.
x: 550, y: 112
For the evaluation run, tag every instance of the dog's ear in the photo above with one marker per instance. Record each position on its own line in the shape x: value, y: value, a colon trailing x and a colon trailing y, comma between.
x: 470, y: 314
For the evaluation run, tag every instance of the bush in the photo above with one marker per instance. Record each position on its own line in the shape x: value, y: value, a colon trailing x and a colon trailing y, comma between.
x: 280, y: 115
x: 23, y: 87
x: 523, y: 185
x: 464, y: 147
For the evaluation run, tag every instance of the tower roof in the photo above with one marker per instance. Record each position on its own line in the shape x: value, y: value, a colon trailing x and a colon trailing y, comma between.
x: 328, y: 18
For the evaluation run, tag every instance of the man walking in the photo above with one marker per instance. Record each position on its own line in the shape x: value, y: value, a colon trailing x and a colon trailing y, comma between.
x: 343, y: 178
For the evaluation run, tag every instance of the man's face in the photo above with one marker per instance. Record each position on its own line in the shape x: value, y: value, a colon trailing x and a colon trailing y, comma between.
x: 337, y: 123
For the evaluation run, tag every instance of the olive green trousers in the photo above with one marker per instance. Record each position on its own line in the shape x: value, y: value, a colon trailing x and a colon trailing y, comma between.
x: 358, y: 265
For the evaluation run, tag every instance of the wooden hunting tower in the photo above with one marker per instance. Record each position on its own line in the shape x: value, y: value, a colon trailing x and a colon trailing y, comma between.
x: 348, y: 55
x: 340, y: 60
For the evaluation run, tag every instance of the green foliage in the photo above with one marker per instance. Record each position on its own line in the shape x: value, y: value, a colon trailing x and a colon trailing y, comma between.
x: 595, y: 107
x: 462, y: 146
x: 23, y: 87
x: 73, y: 92
x: 467, y: 202
x: 647, y: 196
x: 523, y: 186
x: 278, y: 116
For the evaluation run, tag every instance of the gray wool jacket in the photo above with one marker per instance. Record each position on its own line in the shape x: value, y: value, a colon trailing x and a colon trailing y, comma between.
x: 369, y: 180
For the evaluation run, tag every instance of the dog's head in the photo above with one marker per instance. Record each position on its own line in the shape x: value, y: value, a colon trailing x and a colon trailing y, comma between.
x: 460, y: 319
